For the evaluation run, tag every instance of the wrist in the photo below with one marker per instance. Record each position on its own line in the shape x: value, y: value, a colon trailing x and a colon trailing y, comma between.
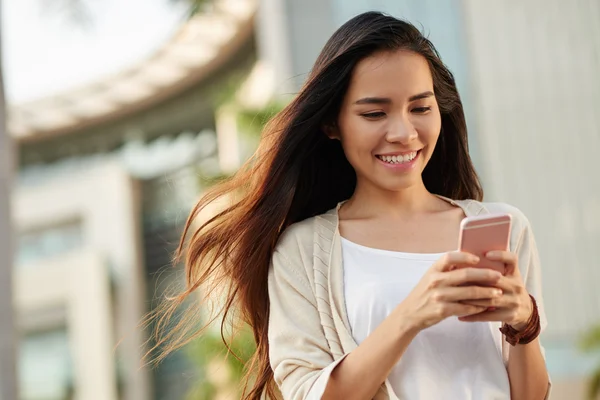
x: 408, y: 323
x: 521, y: 323
x: 528, y: 333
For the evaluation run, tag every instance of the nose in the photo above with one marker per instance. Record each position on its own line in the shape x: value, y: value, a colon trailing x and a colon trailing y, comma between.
x: 401, y: 130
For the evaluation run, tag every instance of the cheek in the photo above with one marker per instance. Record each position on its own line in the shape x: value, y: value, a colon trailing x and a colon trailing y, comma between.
x: 429, y: 129
x: 358, y: 136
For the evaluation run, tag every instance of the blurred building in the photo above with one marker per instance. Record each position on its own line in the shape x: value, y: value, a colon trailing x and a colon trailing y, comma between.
x: 108, y: 172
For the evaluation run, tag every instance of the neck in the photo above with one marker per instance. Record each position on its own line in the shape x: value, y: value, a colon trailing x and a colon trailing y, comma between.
x: 371, y: 202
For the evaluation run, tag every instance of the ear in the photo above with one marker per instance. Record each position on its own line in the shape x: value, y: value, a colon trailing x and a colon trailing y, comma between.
x: 331, y: 130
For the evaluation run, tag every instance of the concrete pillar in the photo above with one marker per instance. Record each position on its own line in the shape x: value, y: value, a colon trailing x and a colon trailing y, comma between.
x: 8, y: 375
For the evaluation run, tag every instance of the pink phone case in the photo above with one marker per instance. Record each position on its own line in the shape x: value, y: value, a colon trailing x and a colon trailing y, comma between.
x: 481, y: 234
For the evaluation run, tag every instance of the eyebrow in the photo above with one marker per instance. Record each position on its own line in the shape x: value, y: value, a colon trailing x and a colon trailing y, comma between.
x: 387, y: 100
x: 420, y: 96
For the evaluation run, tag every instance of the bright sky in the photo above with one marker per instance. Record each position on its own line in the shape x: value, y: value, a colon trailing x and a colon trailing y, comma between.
x: 46, y: 51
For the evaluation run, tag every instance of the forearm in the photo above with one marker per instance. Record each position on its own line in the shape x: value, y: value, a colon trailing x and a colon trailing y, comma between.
x: 527, y: 372
x: 363, y: 371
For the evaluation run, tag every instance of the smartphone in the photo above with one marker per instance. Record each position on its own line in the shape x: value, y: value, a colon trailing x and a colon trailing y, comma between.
x: 481, y: 234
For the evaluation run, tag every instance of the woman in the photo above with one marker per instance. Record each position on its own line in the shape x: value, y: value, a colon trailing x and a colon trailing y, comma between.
x: 346, y: 212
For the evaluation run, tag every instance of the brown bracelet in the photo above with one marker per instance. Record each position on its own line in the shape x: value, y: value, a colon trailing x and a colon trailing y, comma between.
x: 527, y: 334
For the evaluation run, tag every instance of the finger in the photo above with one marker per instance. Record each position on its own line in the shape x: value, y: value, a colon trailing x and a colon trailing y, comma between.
x: 505, y: 257
x: 508, y: 284
x: 462, y: 276
x: 492, y: 302
x: 454, y: 258
x: 467, y: 294
x: 486, y: 316
x: 463, y: 310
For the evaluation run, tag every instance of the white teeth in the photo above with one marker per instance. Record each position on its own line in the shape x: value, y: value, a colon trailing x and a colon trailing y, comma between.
x: 399, y: 158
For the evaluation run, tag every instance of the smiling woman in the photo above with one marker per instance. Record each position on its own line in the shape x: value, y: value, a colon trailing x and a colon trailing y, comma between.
x: 339, y: 248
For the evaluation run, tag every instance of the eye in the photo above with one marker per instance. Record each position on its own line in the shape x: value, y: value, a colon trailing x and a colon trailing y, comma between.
x: 374, y: 115
x: 421, y: 110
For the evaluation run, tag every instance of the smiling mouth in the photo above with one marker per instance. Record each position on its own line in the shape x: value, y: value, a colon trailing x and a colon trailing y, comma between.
x: 399, y: 158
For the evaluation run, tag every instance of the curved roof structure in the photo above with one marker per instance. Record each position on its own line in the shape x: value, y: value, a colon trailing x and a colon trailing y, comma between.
x: 199, y: 47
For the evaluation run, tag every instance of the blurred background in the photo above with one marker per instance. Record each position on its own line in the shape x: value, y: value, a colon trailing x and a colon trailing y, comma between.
x: 119, y: 113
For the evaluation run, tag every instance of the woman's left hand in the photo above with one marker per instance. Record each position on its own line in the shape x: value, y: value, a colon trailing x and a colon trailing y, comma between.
x: 514, y: 307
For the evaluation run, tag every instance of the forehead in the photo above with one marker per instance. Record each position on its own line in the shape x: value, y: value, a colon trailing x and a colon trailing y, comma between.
x: 391, y: 74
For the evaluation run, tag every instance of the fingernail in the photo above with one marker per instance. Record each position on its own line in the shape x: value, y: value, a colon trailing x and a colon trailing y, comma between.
x: 491, y: 254
x: 475, y: 259
x: 497, y: 292
x: 495, y: 275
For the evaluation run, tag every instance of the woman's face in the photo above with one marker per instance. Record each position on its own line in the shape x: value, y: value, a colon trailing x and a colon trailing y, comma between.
x: 389, y: 120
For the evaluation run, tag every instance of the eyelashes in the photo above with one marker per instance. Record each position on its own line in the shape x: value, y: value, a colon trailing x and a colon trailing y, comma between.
x: 381, y: 114
x: 374, y: 115
x: 421, y: 110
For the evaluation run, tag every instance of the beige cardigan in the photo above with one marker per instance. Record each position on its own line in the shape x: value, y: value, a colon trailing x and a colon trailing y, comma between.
x: 309, y: 332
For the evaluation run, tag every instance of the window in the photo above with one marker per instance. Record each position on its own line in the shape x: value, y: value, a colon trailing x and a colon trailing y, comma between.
x: 45, y: 367
x: 48, y: 242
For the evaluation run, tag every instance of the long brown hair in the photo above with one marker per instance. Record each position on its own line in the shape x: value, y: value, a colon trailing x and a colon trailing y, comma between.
x: 298, y: 172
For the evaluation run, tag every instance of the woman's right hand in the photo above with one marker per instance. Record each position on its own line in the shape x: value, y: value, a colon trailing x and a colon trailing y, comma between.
x: 439, y: 293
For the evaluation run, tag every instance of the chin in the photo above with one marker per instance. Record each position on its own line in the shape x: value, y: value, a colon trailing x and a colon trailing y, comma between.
x: 397, y: 185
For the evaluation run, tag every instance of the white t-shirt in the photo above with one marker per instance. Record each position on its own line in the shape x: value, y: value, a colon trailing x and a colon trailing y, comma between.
x: 450, y: 360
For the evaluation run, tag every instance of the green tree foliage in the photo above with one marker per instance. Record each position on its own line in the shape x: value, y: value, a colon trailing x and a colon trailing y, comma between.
x: 210, y: 349
x: 590, y: 342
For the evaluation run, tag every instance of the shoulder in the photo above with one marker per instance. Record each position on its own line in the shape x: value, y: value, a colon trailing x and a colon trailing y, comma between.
x: 298, y: 236
x: 302, y: 234
x: 518, y: 217
x: 301, y: 242
x: 293, y: 255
